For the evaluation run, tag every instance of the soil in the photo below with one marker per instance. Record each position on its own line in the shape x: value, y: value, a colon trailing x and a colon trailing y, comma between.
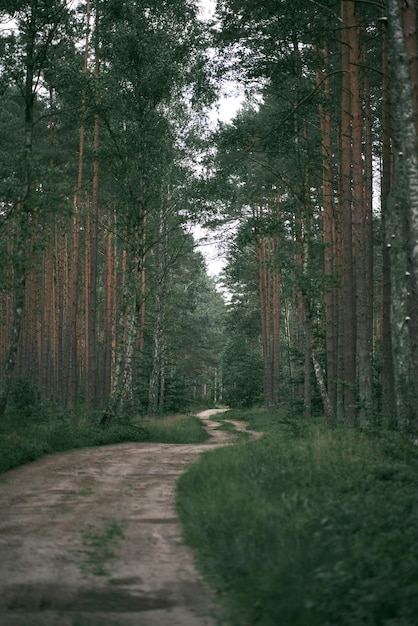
x: 91, y: 538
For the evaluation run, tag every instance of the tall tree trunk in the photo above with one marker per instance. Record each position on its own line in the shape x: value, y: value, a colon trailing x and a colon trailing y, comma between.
x: 265, y: 312
x: 48, y: 334
x: 157, y: 377
x: 74, y: 266
x: 94, y: 239
x: 13, y: 342
x: 276, y: 323
x: 406, y: 176
x: 387, y: 375
x: 349, y: 293
x: 109, y: 328
x: 370, y: 404
x: 329, y: 238
x: 122, y: 380
x: 364, y: 344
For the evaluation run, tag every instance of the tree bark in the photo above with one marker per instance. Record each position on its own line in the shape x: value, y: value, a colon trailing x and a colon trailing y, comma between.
x: 330, y: 241
x: 94, y: 239
x: 387, y: 375
x: 348, y: 280
x: 406, y: 175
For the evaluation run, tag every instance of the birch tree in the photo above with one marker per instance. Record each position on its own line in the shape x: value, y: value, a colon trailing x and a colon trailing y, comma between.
x: 404, y: 212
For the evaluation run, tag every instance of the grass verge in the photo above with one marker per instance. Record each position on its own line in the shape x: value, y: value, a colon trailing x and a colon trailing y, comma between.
x: 176, y: 429
x: 24, y: 438
x: 307, y: 526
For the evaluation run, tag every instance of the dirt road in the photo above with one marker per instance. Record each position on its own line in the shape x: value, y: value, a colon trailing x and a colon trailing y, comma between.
x: 90, y: 538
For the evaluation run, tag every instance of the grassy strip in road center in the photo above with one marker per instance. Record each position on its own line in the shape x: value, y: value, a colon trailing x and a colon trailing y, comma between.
x: 307, y: 525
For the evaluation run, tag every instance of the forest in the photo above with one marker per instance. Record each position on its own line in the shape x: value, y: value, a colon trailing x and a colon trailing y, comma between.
x: 109, y: 158
x: 114, y: 328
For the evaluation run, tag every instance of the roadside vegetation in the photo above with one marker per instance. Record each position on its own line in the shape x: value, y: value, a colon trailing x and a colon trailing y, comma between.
x: 176, y: 429
x: 307, y: 525
x: 33, y: 429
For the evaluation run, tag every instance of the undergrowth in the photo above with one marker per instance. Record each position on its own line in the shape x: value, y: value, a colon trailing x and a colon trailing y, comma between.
x: 176, y: 429
x: 30, y: 434
x: 307, y: 526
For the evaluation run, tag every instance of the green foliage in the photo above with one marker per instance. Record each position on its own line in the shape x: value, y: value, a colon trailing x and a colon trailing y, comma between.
x: 23, y: 398
x: 307, y: 526
x: 242, y: 358
x: 243, y: 374
x: 30, y: 435
x: 177, y: 429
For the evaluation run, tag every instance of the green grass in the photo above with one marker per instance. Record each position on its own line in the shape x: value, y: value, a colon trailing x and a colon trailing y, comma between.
x: 99, y: 545
x: 176, y: 429
x: 29, y: 436
x: 307, y: 527
x: 237, y: 434
x: 25, y: 439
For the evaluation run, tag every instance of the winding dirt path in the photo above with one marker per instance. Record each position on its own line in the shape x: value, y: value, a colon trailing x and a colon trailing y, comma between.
x: 91, y: 538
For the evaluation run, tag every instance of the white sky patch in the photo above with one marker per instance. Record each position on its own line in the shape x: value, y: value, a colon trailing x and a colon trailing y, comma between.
x: 210, y: 243
x: 212, y: 249
x: 206, y: 9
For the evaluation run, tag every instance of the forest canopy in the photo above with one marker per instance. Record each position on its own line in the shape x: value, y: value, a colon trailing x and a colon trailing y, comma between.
x: 108, y: 157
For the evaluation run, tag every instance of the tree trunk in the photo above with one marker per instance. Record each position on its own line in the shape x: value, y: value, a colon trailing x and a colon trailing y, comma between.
x: 349, y: 293
x: 13, y: 343
x: 122, y: 390
x: 406, y: 177
x: 109, y: 327
x: 363, y: 342
x: 369, y: 413
x: 329, y: 238
x: 387, y: 375
x: 94, y: 227
x: 323, y: 390
x: 157, y: 377
x: 276, y: 325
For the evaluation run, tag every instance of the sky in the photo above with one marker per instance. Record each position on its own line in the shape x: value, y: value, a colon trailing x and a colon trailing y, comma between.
x: 224, y: 110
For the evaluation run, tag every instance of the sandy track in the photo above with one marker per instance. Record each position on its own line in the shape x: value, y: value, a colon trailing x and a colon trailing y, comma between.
x: 91, y: 538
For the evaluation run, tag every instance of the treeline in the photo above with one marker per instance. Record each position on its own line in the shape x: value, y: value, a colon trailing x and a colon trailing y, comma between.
x: 105, y: 303
x: 320, y: 172
x: 103, y: 300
